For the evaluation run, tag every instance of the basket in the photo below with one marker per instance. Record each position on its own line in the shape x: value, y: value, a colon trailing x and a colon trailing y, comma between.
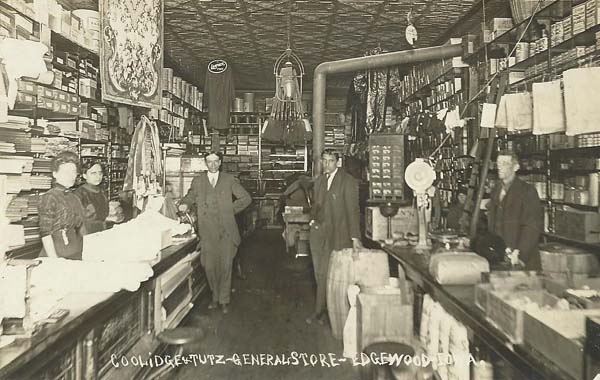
x: 523, y: 9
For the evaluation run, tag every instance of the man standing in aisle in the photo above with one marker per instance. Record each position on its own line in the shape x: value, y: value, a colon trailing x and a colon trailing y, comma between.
x: 515, y: 212
x: 334, y: 224
x: 213, y: 193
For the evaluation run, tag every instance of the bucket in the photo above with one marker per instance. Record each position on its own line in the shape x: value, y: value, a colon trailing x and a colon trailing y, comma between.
x: 248, y: 102
x: 365, y: 267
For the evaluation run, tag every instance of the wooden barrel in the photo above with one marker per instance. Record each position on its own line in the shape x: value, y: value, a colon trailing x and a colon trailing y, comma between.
x: 347, y: 267
x: 339, y: 276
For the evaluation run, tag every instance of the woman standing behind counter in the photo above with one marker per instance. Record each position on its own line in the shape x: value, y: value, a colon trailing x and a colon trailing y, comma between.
x: 61, y: 212
x: 93, y: 198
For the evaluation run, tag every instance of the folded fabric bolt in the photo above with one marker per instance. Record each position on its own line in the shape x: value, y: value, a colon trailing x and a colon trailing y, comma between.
x: 501, y: 121
x: 519, y: 111
x: 548, y: 108
x: 22, y: 58
x: 581, y: 100
x: 12, y: 303
x: 350, y: 337
x: 88, y: 277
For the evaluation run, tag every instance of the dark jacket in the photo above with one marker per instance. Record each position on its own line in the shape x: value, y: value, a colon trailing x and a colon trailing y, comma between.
x: 518, y: 219
x: 227, y: 187
x: 336, y: 211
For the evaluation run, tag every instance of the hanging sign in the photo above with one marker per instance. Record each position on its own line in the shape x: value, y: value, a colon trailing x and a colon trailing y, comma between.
x: 411, y: 34
x: 217, y: 66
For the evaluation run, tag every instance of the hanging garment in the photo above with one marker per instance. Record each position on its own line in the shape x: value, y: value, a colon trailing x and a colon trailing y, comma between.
x: 581, y: 100
x: 548, y: 108
x: 219, y: 93
x: 355, y: 105
x: 144, y: 166
x: 373, y: 86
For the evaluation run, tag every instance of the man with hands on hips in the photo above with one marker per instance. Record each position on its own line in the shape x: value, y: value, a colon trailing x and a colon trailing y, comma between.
x: 334, y: 225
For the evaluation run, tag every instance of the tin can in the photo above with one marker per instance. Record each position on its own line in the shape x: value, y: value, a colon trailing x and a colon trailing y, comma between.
x: 248, y: 102
x: 522, y: 51
x: 238, y: 105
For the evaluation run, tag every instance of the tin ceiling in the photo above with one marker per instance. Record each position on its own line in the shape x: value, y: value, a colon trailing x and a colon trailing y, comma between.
x: 251, y: 34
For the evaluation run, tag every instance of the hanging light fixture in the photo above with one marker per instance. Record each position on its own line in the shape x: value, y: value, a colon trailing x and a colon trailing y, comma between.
x: 288, y: 70
x: 411, y: 32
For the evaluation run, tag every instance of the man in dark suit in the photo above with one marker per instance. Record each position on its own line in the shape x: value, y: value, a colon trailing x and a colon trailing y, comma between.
x: 212, y: 193
x: 335, y: 223
x: 515, y: 212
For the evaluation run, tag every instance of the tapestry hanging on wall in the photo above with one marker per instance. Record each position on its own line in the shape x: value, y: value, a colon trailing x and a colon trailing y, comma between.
x: 131, y: 52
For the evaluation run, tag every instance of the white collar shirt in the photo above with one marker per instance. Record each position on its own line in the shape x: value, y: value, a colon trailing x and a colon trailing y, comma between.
x: 213, y: 178
x: 330, y: 179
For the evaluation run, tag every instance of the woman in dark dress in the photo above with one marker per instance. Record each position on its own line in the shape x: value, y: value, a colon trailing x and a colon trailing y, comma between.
x: 61, y: 212
x: 93, y: 197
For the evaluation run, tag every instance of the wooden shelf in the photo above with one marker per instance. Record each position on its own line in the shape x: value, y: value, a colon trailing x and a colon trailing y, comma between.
x: 283, y: 170
x: 424, y: 90
x: 27, y: 250
x: 180, y: 100
x: 555, y: 10
x: 576, y: 205
x: 572, y: 172
x: 63, y: 43
x: 592, y: 246
x: 576, y: 150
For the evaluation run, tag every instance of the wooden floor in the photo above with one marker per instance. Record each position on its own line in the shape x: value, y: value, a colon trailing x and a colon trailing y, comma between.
x: 267, y: 316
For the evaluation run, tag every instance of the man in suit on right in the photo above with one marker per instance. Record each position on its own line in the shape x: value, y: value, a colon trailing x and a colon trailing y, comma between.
x: 515, y: 212
x: 334, y: 225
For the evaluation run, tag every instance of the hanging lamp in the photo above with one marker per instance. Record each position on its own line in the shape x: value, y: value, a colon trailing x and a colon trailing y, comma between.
x: 289, y: 71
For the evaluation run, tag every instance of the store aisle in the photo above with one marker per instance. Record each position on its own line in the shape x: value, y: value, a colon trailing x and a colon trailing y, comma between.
x: 266, y: 316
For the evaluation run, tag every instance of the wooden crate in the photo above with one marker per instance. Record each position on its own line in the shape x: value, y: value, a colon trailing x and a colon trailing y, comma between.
x: 506, y: 281
x: 481, y: 295
x: 508, y: 318
x: 383, y: 317
x: 559, y: 335
x: 558, y: 286
x: 404, y: 221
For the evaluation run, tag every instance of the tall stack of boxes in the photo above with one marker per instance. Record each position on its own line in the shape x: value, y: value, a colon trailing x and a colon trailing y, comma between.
x: 178, y: 97
x: 64, y: 66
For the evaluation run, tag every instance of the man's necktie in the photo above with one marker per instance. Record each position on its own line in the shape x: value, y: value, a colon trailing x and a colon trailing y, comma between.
x: 502, y: 193
x: 327, y: 177
x: 212, y: 181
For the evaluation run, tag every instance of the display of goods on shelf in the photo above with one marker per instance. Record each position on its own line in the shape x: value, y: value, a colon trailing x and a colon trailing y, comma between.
x: 386, y: 167
x: 422, y: 76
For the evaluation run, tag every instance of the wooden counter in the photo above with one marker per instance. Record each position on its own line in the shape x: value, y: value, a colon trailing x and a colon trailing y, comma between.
x: 459, y: 301
x: 98, y: 325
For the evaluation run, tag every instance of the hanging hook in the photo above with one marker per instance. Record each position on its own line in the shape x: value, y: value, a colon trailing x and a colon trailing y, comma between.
x: 409, y: 16
x: 289, y: 28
